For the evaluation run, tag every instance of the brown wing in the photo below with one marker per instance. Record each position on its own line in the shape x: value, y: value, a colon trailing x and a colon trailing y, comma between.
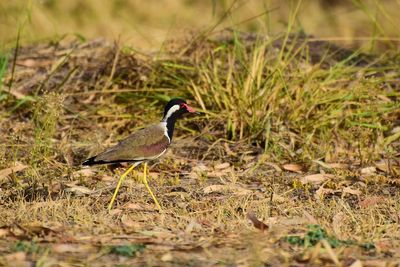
x: 147, y: 143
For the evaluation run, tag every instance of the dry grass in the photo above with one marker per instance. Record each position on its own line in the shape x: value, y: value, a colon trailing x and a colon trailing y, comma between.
x: 220, y: 168
x: 145, y: 25
x: 295, y: 160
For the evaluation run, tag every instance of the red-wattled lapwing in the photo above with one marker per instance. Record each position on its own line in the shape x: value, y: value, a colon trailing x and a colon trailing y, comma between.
x: 144, y: 145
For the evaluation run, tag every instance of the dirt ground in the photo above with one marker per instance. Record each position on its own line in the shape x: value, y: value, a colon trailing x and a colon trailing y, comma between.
x: 229, y: 196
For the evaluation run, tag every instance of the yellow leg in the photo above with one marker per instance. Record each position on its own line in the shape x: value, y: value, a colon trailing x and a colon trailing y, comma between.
x: 119, y: 185
x: 148, y: 188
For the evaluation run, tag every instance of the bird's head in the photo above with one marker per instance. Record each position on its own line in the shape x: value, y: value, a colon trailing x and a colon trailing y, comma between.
x: 175, y: 108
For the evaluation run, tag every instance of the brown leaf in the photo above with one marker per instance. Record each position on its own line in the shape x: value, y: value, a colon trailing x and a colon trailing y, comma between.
x: 17, y: 231
x: 293, y: 167
x: 275, y: 166
x: 129, y: 223
x: 382, y: 166
x: 167, y: 257
x: 80, y: 190
x: 349, y: 190
x: 376, y: 263
x: 84, y: 172
x: 337, y: 223
x: 39, y: 229
x: 18, y: 166
x: 16, y: 257
x: 256, y: 222
x: 18, y: 93
x: 368, y: 170
x: 154, y: 175
x: 278, y: 199
x: 370, y: 201
x: 219, y: 188
x: 217, y: 174
x: 4, y: 232
x: 356, y: 263
x: 200, y: 168
x: 330, y: 252
x: 214, y: 188
x: 321, y: 192
x: 115, y: 212
x: 309, y: 217
x: 316, y: 178
x: 107, y: 178
x: 338, y: 165
x: 71, y: 248
x: 132, y: 206
x: 222, y: 166
x: 193, y: 225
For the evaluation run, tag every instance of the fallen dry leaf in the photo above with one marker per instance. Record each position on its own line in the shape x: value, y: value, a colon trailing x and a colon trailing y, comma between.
x: 167, y: 257
x: 200, y: 168
x: 214, y: 188
x: 115, y: 212
x: 86, y: 172
x: 4, y: 232
x: 376, y: 263
x: 370, y: 201
x: 80, y: 190
x: 337, y: 223
x: 356, y: 263
x: 316, y: 178
x: 293, y: 167
x: 248, y: 158
x: 39, y: 229
x: 256, y: 222
x: 129, y: 223
x: 311, y: 219
x: 278, y: 199
x: 132, y: 206
x: 296, y: 220
x: 349, y: 190
x: 338, y: 165
x: 193, y: 225
x: 222, y: 166
x: 71, y: 248
x: 218, y: 174
x: 330, y: 252
x: 153, y: 175
x: 382, y: 166
x: 218, y: 188
x: 321, y: 192
x: 18, y: 166
x: 107, y: 178
x: 16, y: 257
x: 275, y: 166
x: 368, y: 170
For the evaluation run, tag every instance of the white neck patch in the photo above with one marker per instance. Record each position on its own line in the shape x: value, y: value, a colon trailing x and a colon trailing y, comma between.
x: 173, y: 109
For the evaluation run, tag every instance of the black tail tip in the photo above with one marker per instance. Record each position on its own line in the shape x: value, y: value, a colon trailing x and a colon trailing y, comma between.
x: 89, y: 162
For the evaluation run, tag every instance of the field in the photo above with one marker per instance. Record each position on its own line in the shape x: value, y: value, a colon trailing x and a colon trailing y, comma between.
x: 293, y: 161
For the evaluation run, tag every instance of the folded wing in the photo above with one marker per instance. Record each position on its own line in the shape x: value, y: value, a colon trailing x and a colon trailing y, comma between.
x: 148, y: 143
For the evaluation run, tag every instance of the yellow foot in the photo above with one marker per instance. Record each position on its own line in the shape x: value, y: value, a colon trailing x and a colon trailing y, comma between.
x: 148, y: 188
x: 119, y: 185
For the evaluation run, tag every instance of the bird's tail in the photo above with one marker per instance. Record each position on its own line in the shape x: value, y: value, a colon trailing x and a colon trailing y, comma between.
x: 92, y: 161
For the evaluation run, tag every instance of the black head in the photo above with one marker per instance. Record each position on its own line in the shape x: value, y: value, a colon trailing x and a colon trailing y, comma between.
x: 175, y: 108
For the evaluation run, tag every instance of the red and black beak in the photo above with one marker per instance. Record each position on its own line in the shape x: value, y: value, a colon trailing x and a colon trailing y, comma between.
x: 190, y: 109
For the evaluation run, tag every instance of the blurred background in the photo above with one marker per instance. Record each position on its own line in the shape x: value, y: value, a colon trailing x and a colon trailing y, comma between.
x: 146, y: 24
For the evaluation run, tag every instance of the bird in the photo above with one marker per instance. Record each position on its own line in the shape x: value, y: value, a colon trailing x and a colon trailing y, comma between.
x: 147, y: 144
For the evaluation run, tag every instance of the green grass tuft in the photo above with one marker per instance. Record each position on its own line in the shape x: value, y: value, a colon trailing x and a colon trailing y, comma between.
x: 313, y: 236
x: 127, y: 250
